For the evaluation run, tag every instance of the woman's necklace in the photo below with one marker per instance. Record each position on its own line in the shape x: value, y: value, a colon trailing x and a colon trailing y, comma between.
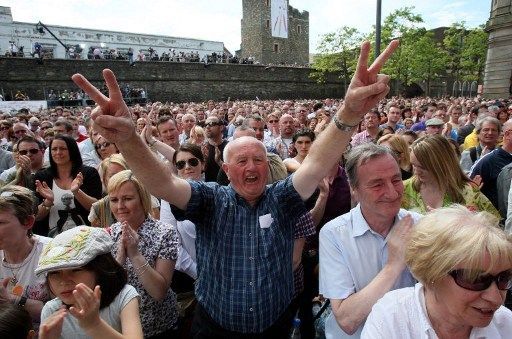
x: 14, y: 280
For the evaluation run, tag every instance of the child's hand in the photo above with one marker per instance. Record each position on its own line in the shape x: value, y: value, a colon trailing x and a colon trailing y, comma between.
x: 52, y: 326
x: 87, y: 306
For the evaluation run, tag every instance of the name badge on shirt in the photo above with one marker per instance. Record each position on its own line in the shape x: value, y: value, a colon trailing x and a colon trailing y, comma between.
x: 265, y: 221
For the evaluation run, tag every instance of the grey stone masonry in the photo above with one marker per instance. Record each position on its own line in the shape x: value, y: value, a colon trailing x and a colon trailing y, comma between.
x: 257, y: 39
x: 498, y: 67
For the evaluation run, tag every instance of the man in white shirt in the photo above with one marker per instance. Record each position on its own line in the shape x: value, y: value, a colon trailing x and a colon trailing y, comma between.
x: 362, y: 251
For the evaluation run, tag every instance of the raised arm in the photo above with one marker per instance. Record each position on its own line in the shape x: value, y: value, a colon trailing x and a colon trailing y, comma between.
x: 366, y: 89
x: 112, y: 119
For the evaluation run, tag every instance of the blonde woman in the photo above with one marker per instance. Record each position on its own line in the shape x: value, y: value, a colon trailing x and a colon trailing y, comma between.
x: 438, y: 180
x: 147, y: 249
x: 463, y: 264
x: 100, y: 214
x: 401, y: 150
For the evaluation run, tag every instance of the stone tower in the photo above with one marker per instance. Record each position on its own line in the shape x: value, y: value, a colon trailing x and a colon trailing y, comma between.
x: 498, y: 67
x: 259, y: 42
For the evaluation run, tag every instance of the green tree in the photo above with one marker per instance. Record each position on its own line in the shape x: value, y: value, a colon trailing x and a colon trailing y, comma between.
x: 426, y: 58
x: 454, y: 44
x: 338, y: 52
x: 474, y: 54
x: 402, y: 24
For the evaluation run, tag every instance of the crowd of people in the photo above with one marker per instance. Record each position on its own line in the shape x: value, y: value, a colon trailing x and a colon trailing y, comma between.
x: 149, y: 54
x: 387, y: 217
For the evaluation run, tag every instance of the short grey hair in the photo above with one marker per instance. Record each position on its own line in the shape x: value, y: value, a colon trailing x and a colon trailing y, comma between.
x: 226, y: 154
x: 480, y: 122
x: 360, y: 155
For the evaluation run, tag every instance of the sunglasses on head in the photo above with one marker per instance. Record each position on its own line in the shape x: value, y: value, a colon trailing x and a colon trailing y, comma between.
x: 192, y: 162
x: 103, y: 145
x: 482, y: 282
x: 31, y: 151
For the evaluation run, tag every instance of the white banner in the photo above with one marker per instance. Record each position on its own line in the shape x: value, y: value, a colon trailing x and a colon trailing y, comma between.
x: 279, y: 18
x: 15, y: 106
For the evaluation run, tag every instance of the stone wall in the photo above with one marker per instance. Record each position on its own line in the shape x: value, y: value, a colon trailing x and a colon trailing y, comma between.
x: 166, y: 81
x: 498, y: 66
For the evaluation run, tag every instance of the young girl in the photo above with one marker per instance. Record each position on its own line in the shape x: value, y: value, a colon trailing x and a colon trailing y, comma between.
x: 78, y: 263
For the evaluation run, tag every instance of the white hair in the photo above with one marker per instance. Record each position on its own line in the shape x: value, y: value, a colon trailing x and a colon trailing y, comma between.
x: 242, y: 140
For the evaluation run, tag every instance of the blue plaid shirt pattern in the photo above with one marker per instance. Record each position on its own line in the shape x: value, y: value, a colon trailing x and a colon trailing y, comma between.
x: 245, y: 279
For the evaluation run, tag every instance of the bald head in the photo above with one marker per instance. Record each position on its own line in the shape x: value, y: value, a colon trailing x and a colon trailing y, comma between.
x: 237, y: 144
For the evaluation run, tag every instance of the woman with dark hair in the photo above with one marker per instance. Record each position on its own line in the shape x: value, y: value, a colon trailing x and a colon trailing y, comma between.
x: 302, y: 141
x: 66, y: 190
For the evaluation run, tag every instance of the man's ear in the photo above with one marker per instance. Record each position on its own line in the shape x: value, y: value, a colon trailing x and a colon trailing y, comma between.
x: 225, y: 168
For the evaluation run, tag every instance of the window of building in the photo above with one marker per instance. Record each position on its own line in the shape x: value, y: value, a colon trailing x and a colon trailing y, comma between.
x: 276, y: 48
x: 267, y: 23
x: 267, y: 3
x: 299, y: 29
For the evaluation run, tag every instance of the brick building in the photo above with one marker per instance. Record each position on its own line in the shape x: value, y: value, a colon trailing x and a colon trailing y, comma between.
x: 260, y: 39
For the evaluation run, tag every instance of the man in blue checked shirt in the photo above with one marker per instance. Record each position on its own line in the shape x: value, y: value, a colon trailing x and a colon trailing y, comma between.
x: 245, y: 230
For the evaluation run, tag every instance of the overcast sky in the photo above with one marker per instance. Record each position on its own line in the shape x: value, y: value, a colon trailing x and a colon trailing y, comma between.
x: 219, y: 20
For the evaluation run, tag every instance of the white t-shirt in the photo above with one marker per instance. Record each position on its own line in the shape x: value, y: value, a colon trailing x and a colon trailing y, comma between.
x: 28, y: 284
x: 402, y: 314
x: 62, y: 200
x: 110, y: 314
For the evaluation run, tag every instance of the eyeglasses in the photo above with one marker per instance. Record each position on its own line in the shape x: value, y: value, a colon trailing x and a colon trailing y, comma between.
x: 4, y: 128
x: 21, y: 131
x: 213, y: 124
x: 45, y: 127
x: 31, y: 151
x: 192, y: 162
x: 103, y: 145
x: 482, y: 282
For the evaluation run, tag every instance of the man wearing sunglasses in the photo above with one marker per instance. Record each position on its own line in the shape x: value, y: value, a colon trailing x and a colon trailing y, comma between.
x: 29, y: 159
x: 244, y: 230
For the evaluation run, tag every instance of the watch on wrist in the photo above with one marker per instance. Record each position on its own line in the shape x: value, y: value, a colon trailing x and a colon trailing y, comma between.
x: 342, y: 126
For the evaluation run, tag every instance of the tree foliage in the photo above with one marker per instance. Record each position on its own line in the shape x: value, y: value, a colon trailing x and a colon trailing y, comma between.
x: 338, y: 53
x: 420, y: 58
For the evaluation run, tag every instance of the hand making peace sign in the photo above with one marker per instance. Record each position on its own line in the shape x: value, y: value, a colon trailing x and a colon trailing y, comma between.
x: 367, y: 87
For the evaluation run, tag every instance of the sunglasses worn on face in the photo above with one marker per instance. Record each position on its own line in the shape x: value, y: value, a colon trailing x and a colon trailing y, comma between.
x: 192, y: 162
x: 31, y: 151
x: 482, y: 282
x: 103, y: 145
x: 273, y: 121
x: 213, y: 124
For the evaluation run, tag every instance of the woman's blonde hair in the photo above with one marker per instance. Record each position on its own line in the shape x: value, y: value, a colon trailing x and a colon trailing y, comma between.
x: 451, y: 236
x: 117, y: 159
x: 118, y: 179
x: 436, y: 155
x: 399, y: 146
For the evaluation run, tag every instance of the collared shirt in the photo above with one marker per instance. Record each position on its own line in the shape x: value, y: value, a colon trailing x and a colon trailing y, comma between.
x: 244, y: 252
x: 402, y: 314
x: 361, y: 138
x: 351, y: 255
